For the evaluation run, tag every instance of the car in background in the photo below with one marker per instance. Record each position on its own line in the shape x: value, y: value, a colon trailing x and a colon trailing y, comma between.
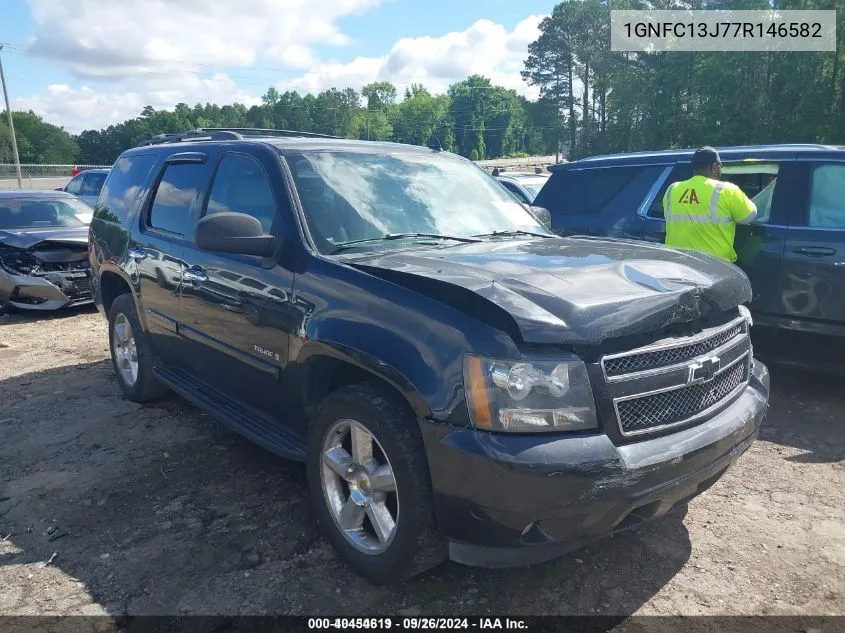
x: 522, y: 185
x: 43, y: 250
x: 793, y: 254
x: 86, y: 185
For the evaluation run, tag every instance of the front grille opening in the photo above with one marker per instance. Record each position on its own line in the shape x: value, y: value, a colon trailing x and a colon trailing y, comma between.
x: 78, y: 290
x: 17, y: 297
x: 650, y: 412
x: 645, y: 361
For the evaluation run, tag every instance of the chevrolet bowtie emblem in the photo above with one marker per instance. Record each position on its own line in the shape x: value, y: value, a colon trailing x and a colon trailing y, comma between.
x: 703, y: 370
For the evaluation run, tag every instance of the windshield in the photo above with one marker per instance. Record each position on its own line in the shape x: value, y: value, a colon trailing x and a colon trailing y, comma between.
x: 352, y: 196
x: 37, y: 213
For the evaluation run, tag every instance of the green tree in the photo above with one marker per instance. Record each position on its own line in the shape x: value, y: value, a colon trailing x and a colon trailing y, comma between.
x: 420, y: 117
x: 38, y: 141
x: 550, y: 65
x: 379, y: 95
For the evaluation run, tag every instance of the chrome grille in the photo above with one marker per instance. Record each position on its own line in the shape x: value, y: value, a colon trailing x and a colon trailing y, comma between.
x: 676, y: 381
x: 653, y: 411
x: 620, y: 365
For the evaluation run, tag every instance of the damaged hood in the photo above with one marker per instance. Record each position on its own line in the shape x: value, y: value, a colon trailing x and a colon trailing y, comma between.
x: 27, y: 238
x: 576, y: 290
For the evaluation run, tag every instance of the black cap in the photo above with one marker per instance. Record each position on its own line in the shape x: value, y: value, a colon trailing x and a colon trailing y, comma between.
x: 705, y: 156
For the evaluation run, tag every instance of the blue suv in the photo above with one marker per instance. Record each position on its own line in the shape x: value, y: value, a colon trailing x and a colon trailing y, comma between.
x: 793, y: 254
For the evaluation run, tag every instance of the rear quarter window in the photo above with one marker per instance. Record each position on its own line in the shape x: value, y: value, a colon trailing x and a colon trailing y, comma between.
x: 120, y: 194
x: 590, y: 191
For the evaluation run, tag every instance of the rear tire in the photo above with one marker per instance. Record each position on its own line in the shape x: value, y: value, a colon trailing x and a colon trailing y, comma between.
x: 414, y: 545
x: 161, y: 280
x: 131, y: 355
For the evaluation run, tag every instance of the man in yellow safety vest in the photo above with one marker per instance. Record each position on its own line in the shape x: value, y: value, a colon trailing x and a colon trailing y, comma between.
x: 702, y: 213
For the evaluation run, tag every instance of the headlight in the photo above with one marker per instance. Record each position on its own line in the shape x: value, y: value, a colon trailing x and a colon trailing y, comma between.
x: 17, y: 262
x: 529, y: 396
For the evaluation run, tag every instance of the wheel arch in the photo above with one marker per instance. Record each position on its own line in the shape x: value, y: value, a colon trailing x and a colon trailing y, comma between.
x: 327, y: 367
x: 112, y: 285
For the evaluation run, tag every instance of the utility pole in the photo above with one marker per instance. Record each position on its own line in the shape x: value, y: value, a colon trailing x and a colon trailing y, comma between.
x: 11, y: 123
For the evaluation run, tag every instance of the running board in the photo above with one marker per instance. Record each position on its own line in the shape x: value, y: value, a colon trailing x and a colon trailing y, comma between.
x: 253, y: 425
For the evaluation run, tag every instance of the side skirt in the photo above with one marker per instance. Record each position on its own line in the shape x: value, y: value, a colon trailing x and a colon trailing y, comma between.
x: 253, y: 425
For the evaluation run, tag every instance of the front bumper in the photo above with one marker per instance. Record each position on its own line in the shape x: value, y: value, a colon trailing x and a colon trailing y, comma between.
x: 515, y: 500
x: 48, y: 292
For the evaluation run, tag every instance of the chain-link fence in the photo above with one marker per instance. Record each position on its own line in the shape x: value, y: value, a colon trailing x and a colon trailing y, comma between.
x: 53, y: 176
x: 530, y: 164
x: 39, y: 176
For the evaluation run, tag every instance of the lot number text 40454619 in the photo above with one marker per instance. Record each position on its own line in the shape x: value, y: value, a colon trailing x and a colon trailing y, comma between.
x: 418, y: 623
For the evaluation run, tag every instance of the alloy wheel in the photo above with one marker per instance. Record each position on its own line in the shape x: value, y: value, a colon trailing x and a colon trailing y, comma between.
x: 125, y: 351
x: 359, y: 486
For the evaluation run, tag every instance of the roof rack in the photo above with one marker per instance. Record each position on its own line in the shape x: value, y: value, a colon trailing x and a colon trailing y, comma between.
x: 226, y: 134
x: 260, y: 131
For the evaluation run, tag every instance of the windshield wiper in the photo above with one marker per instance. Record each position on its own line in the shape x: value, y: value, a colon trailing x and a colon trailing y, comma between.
x: 399, y: 236
x: 513, y: 232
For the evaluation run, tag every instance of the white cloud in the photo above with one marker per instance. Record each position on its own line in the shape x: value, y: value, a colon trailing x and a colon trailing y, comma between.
x: 126, y: 67
x: 108, y: 39
x: 77, y: 109
x: 485, y: 48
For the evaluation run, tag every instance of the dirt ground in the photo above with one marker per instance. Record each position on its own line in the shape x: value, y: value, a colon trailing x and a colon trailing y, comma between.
x: 159, y: 510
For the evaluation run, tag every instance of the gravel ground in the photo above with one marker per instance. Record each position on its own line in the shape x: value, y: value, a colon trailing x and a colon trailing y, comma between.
x: 159, y: 510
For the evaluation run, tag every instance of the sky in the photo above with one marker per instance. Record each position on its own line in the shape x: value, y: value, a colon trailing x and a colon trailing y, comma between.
x: 88, y: 64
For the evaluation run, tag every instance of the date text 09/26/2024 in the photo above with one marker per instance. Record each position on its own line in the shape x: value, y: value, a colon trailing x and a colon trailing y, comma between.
x: 418, y: 623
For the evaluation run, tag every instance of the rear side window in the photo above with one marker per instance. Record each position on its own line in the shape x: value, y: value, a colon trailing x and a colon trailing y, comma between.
x: 584, y: 191
x: 91, y: 184
x: 174, y: 198
x: 122, y: 187
x: 74, y: 186
x: 758, y: 181
x: 679, y: 173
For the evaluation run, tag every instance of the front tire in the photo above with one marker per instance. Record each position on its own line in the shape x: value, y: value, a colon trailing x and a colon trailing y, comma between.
x: 131, y: 355
x: 370, y: 486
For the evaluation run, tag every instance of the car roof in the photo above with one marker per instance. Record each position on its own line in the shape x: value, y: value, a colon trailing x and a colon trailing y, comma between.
x: 729, y: 153
x: 96, y: 170
x: 523, y: 176
x: 11, y: 194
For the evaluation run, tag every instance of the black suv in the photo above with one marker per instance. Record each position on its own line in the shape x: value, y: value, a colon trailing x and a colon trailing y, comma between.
x: 794, y: 253
x: 459, y: 381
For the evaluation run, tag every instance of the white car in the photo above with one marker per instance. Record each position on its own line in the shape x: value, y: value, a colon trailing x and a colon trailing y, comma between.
x: 524, y: 186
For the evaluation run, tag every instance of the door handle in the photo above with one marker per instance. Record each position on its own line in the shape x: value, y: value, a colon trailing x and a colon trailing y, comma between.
x: 814, y: 251
x: 195, y: 275
x: 137, y: 254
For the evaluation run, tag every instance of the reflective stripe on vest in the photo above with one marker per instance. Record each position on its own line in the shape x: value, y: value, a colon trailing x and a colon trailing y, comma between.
x: 714, y: 217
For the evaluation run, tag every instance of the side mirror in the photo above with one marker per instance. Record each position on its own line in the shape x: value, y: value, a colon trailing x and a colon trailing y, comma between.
x: 239, y: 233
x: 59, y: 189
x: 543, y: 215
